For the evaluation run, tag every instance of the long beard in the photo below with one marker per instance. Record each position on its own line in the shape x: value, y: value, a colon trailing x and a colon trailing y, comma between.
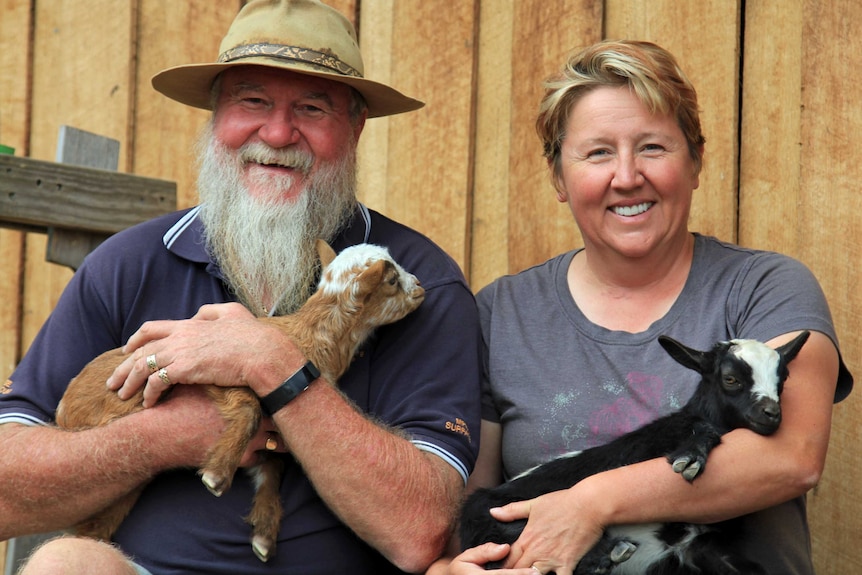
x: 265, y: 246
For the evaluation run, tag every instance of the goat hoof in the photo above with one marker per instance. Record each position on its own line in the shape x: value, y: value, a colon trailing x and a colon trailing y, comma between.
x: 262, y: 547
x: 214, y: 483
x: 688, y: 467
x: 692, y: 471
x: 622, y: 551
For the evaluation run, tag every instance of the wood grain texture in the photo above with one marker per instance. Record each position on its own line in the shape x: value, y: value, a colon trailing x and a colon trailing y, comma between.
x: 492, y: 145
x: 826, y: 239
x: 704, y: 38
x: 426, y: 172
x: 15, y: 27
x: 83, y: 63
x: 544, y: 34
x: 48, y: 194
x: 165, y: 132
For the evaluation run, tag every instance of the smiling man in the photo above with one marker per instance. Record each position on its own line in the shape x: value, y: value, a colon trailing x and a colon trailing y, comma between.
x: 375, y: 467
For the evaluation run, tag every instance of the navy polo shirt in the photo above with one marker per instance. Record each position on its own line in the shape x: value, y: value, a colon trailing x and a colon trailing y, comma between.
x: 420, y: 374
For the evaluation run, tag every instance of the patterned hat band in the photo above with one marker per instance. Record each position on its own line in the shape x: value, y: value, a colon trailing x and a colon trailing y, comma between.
x: 290, y: 53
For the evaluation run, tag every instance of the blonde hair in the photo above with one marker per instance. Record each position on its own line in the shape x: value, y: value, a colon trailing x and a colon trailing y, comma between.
x: 650, y: 71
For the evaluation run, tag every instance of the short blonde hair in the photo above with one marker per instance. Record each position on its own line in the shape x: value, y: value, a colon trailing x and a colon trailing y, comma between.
x: 649, y: 70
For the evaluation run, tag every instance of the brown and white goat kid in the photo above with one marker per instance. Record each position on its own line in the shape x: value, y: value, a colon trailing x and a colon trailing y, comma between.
x: 360, y: 289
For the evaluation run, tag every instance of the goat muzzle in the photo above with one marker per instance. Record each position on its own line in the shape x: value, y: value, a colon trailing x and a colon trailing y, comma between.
x: 765, y: 416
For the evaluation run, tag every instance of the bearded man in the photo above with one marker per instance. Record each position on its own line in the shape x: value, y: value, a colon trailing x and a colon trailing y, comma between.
x: 374, y: 469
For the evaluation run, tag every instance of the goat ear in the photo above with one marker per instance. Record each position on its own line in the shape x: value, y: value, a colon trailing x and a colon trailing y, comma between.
x: 326, y: 253
x: 370, y: 278
x: 699, y: 361
x: 789, y: 350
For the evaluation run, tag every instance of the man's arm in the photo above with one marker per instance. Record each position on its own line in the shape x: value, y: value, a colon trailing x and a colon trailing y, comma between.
x: 401, y: 500
x: 51, y: 479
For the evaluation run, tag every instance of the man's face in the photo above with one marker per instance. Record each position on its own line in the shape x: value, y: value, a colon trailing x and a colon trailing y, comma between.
x: 277, y: 171
x: 304, y: 117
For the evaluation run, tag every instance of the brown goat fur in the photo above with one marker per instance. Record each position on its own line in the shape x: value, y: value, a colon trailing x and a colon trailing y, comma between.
x: 360, y: 289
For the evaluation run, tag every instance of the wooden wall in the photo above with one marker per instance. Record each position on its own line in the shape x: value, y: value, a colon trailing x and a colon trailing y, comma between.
x: 778, y: 88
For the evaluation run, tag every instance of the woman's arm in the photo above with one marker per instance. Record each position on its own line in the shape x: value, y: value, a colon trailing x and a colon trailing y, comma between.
x: 487, y: 473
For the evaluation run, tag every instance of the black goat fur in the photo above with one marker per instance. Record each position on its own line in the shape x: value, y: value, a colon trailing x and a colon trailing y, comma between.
x: 720, y: 404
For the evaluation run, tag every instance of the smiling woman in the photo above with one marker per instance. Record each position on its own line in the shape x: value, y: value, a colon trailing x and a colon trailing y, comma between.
x: 622, y: 138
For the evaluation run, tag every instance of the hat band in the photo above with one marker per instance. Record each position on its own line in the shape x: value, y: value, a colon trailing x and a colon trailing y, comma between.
x: 289, y: 53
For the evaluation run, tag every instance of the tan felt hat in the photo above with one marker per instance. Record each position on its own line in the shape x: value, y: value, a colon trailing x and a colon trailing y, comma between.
x: 303, y: 36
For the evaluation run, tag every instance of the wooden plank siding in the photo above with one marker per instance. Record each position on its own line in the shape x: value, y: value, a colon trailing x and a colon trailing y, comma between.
x: 778, y: 87
x: 799, y: 167
x: 15, y: 25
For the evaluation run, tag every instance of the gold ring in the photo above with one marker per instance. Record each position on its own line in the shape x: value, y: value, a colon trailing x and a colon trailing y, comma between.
x: 163, y: 375
x: 151, y: 363
x: 271, y: 443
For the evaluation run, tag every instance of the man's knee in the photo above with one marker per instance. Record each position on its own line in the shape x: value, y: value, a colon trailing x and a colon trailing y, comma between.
x: 74, y: 556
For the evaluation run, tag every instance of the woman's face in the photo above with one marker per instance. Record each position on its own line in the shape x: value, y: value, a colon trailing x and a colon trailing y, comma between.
x: 626, y: 174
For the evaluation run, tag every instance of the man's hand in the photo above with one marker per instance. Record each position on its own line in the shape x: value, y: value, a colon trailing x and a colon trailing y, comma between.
x: 222, y: 345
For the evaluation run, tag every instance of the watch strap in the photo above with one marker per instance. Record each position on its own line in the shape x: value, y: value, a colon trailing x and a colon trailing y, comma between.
x: 292, y: 387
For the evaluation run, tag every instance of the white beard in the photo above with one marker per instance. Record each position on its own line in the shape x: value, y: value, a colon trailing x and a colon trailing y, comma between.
x: 265, y: 246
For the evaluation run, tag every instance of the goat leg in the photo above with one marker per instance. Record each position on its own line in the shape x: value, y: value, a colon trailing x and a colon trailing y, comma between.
x: 241, y: 410
x: 605, y: 555
x: 104, y: 524
x: 266, y: 510
x: 689, y: 459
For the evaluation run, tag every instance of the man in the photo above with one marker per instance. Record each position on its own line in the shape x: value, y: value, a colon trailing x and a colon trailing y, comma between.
x: 375, y: 470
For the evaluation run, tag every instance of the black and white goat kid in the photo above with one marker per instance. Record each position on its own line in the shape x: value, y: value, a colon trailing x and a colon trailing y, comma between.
x: 740, y: 387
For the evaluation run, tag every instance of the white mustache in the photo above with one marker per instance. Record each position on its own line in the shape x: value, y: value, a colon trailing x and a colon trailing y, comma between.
x: 260, y: 153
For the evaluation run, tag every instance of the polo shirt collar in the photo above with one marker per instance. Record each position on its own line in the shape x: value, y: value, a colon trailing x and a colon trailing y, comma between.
x: 186, y: 237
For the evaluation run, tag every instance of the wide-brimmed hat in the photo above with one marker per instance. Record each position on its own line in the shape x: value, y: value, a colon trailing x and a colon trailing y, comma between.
x: 303, y: 36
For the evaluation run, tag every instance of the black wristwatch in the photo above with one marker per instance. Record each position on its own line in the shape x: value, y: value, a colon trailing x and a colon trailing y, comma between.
x: 287, y: 391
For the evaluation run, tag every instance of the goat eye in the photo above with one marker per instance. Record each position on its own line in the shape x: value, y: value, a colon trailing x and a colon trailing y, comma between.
x: 731, y: 383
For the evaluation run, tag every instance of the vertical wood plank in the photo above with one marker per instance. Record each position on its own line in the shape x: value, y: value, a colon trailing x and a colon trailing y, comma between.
x: 771, y: 116
x: 15, y: 35
x: 704, y: 38
x: 15, y: 30
x: 166, y: 132
x: 492, y: 145
x: 827, y: 240
x: 801, y: 132
x: 427, y: 170
x: 544, y: 34
x: 82, y: 67
x: 375, y: 41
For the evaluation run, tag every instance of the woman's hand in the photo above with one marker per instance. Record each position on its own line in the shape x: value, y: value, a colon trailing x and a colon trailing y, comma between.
x: 220, y: 345
x: 472, y: 561
x: 561, y: 527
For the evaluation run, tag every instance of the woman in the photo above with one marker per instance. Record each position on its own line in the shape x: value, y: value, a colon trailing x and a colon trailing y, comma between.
x: 570, y: 345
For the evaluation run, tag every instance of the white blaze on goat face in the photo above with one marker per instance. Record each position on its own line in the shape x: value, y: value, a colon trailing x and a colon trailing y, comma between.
x: 764, y: 366
x: 353, y: 260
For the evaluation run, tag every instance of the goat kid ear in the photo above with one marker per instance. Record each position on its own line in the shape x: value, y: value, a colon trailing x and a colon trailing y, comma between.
x: 370, y: 278
x: 699, y: 361
x: 789, y: 350
x: 325, y: 253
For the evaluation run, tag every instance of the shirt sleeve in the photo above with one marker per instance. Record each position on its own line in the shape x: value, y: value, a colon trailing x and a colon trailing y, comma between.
x: 423, y: 376
x: 78, y: 329
x: 777, y: 294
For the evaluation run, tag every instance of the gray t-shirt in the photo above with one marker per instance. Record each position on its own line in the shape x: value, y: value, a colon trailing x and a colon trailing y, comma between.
x: 557, y: 382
